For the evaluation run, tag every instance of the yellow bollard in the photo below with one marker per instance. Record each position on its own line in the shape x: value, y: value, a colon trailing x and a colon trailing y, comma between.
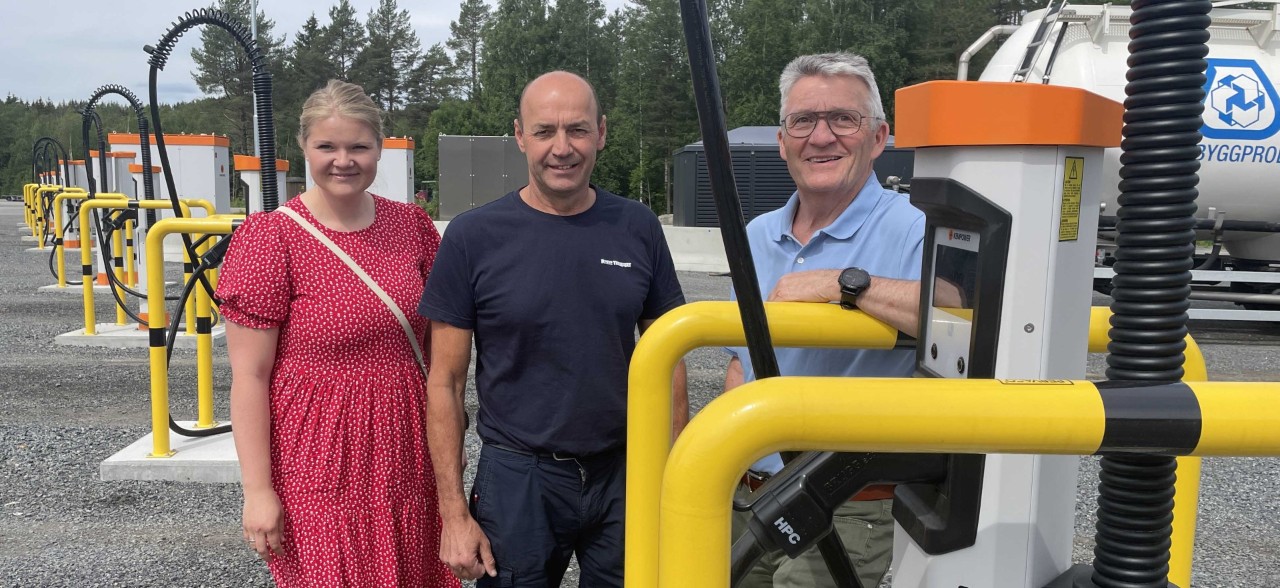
x: 160, y: 446
x: 104, y: 200
x: 117, y: 269
x: 131, y: 255
x: 204, y: 353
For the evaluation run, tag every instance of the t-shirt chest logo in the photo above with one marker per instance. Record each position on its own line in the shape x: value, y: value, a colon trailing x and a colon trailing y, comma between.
x: 615, y: 263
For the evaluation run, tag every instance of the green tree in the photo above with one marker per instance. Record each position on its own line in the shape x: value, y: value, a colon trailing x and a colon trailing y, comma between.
x: 386, y: 63
x: 344, y: 37
x: 763, y: 40
x: 224, y: 70
x: 466, y: 36
x: 655, y: 113
x: 517, y: 46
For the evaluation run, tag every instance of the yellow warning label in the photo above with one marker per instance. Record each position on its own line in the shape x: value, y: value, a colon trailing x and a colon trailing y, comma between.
x: 1072, y: 180
x: 1036, y: 382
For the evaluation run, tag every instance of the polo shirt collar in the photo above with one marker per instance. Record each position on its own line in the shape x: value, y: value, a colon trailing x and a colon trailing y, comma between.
x: 844, y: 226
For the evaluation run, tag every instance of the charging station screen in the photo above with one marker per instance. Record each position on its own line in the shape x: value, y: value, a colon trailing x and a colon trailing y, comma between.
x: 955, y: 280
x: 953, y: 290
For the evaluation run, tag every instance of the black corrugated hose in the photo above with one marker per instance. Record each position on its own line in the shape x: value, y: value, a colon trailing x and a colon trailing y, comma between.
x: 148, y: 183
x: 1156, y: 241
x: 266, y: 146
x: 764, y: 362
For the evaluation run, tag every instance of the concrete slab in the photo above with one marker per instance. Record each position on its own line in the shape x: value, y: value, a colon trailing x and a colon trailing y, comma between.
x: 77, y: 290
x: 207, y: 460
x: 113, y: 336
x: 69, y: 250
x: 98, y: 289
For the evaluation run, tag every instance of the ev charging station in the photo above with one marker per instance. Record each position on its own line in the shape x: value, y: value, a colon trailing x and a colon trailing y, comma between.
x: 201, y: 165
x: 395, y: 171
x: 1008, y: 176
x: 250, y: 169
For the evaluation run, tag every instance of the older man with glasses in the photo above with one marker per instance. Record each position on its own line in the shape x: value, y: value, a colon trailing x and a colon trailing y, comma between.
x: 841, y: 238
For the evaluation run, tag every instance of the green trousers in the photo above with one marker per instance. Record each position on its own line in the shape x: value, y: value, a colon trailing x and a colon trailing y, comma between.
x: 865, y: 527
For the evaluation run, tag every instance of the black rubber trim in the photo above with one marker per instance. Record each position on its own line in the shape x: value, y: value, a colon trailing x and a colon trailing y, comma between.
x: 156, y: 334
x: 86, y: 271
x: 204, y: 325
x: 1161, y: 418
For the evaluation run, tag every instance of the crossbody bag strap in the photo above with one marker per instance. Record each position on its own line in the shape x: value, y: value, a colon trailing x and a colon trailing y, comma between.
x: 368, y: 281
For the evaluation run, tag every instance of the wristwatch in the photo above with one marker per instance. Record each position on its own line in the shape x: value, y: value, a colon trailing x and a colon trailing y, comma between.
x: 853, y: 282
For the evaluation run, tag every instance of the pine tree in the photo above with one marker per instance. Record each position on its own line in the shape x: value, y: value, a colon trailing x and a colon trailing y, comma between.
x: 223, y: 68
x: 465, y: 40
x: 344, y: 37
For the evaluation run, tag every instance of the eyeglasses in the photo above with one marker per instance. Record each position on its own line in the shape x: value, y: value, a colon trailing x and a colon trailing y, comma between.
x: 841, y: 122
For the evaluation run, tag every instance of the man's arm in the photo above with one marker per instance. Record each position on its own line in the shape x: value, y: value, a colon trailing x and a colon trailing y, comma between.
x: 463, y: 545
x: 733, y: 374
x: 679, y: 392
x: 895, y: 302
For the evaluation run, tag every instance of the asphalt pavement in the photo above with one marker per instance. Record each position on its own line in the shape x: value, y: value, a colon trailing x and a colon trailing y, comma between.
x: 65, y: 409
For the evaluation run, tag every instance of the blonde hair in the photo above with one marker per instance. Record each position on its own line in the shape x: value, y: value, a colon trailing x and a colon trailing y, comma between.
x: 339, y: 98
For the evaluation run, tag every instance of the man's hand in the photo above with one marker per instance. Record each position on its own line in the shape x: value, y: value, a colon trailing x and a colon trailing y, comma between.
x: 807, y: 286
x: 465, y: 549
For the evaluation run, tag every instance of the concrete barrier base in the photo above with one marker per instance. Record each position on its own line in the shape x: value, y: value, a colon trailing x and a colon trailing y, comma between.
x: 207, y: 460
x: 113, y: 336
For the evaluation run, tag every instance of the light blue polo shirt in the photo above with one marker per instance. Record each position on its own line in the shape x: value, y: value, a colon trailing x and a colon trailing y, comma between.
x: 880, y: 232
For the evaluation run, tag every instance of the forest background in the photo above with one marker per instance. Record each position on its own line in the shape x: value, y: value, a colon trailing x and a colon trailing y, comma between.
x: 635, y: 56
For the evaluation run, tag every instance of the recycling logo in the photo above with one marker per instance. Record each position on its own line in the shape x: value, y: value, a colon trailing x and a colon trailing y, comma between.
x: 1240, y: 102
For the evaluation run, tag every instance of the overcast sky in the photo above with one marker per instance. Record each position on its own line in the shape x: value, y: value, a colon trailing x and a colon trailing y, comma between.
x: 65, y: 49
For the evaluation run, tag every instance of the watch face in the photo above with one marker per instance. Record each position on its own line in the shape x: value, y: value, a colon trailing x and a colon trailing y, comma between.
x: 854, y: 280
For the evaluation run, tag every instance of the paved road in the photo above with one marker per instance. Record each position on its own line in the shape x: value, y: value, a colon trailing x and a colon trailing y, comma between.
x: 64, y: 410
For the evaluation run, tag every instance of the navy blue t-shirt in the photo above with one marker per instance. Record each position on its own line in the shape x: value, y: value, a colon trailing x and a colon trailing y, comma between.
x: 553, y: 302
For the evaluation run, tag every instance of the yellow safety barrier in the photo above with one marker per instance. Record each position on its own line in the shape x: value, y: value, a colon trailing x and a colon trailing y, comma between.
x: 109, y: 201
x: 28, y: 207
x: 220, y: 225
x: 676, y: 333
x: 42, y: 192
x: 902, y: 415
x: 702, y: 324
x: 86, y: 241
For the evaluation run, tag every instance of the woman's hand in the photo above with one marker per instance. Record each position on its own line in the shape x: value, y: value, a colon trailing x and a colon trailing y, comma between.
x: 264, y: 523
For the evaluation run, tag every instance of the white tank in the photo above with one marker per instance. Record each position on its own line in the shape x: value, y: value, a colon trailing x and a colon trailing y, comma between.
x: 1240, y: 152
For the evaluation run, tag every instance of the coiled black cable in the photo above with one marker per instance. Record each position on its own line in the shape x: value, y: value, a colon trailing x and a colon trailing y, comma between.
x: 261, y: 88
x: 266, y: 149
x: 1163, y: 107
x: 104, y: 236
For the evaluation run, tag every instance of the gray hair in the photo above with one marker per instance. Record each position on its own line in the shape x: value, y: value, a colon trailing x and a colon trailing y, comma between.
x: 339, y: 98
x: 831, y: 64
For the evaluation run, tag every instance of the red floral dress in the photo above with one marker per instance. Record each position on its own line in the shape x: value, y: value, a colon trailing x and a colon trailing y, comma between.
x: 349, y: 456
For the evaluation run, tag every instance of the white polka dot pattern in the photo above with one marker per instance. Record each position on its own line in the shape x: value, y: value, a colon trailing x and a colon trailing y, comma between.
x: 349, y: 455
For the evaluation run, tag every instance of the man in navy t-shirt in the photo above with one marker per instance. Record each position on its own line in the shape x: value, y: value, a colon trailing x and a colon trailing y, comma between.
x: 552, y: 280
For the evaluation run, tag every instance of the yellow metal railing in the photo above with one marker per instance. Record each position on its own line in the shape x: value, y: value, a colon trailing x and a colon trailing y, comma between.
x: 901, y: 415
x: 703, y: 324
x: 216, y: 225
x: 85, y: 241
x: 109, y: 201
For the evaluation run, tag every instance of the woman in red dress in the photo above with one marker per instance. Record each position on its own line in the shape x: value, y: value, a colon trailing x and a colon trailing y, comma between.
x: 327, y: 398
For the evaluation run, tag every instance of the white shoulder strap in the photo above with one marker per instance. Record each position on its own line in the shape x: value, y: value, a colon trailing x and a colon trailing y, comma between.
x: 368, y: 281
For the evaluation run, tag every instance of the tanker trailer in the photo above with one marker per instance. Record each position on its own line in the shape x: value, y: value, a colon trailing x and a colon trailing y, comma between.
x: 1086, y: 46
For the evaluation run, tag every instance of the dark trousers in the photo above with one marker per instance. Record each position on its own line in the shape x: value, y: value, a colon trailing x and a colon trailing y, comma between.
x: 538, y: 510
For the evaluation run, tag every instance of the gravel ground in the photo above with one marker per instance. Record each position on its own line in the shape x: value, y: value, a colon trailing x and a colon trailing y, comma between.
x: 63, y: 410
